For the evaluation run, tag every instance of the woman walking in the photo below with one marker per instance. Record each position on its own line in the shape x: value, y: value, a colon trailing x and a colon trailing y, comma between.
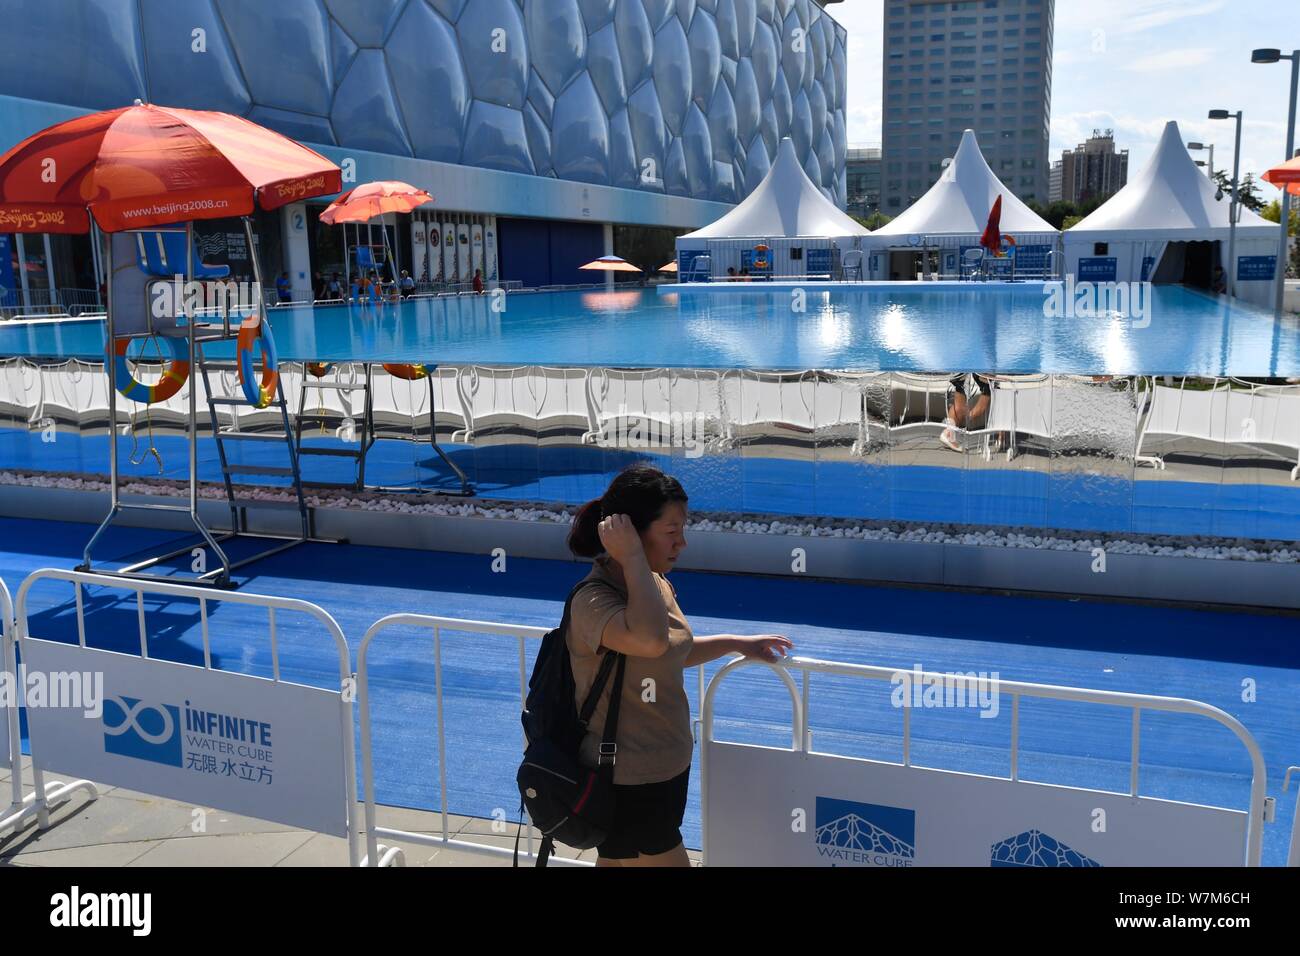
x: 635, y: 532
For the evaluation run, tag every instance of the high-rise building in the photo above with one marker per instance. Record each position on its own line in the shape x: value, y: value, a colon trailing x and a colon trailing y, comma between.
x: 984, y: 65
x: 862, y: 173
x: 1093, y: 169
x: 1054, y: 182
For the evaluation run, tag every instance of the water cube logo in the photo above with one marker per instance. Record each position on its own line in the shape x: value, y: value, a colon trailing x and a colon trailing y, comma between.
x: 1035, y: 848
x: 133, y: 728
x: 865, y: 833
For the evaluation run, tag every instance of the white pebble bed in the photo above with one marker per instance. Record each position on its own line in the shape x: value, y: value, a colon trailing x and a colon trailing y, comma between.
x: 1203, y: 546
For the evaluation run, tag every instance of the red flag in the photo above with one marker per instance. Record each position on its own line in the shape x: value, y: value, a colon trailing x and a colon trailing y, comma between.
x: 992, y: 238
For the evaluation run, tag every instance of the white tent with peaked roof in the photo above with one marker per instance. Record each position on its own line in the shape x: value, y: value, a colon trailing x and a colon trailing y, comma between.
x: 787, y: 214
x: 1149, y: 223
x: 951, y: 216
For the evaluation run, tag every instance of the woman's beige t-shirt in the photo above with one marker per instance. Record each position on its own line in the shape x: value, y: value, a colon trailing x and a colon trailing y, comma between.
x: 654, y: 736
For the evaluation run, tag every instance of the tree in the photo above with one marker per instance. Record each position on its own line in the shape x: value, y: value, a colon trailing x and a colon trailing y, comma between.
x: 874, y: 221
x: 1249, y: 196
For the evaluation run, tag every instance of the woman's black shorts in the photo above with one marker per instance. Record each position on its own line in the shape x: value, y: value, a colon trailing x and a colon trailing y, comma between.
x: 647, y: 818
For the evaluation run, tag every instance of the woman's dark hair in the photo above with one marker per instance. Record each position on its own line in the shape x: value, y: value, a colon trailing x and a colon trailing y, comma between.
x: 639, y: 491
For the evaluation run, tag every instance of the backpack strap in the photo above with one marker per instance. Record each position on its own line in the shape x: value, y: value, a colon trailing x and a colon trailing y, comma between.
x: 608, y: 743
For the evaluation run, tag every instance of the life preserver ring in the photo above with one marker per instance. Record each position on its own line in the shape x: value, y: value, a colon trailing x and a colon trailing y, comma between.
x: 410, y: 373
x: 176, y: 371
x: 1010, y: 241
x: 252, y: 330
x: 318, y: 369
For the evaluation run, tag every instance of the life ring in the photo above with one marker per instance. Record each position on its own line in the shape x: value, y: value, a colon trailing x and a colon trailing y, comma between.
x: 1010, y: 241
x: 318, y: 369
x: 411, y: 373
x: 252, y: 330
x: 176, y: 371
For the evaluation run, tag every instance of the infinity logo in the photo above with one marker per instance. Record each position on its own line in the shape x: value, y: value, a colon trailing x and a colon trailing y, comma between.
x: 131, y: 721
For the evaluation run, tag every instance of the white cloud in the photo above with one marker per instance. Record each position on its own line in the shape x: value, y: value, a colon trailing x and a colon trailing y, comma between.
x: 1128, y: 16
x: 1171, y: 60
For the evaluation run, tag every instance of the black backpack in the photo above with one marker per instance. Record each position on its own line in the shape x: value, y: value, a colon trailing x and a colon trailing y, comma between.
x: 566, y: 801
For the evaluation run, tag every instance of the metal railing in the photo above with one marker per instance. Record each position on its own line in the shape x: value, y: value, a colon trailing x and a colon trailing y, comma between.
x: 802, y: 735
x: 272, y: 604
x: 36, y: 805
x: 1293, y: 855
x: 378, y: 854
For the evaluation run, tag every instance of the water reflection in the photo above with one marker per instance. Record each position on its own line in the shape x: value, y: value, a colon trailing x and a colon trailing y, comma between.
x: 1177, y: 455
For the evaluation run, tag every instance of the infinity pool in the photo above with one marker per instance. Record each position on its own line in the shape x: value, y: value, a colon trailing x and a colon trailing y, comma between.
x: 886, y: 327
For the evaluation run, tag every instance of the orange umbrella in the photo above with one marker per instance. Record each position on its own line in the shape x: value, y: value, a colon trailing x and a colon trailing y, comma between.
x: 610, y: 264
x: 1286, y: 176
x: 374, y: 199
x: 145, y: 165
x: 669, y: 267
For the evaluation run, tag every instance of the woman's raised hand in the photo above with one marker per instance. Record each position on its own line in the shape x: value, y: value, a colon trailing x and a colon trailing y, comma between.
x: 620, y: 538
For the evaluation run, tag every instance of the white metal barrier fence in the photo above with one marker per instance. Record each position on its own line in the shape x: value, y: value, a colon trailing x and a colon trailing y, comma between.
x: 22, y: 810
x: 378, y: 854
x: 300, y: 730
x: 712, y: 751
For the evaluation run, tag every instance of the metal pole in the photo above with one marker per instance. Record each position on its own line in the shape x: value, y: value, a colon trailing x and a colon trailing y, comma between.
x: 1232, y: 213
x: 1279, y: 290
x: 1210, y: 167
x: 49, y: 267
x: 193, y: 424
x: 22, y: 271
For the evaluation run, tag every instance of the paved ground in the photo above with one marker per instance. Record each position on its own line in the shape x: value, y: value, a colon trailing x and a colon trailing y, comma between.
x: 124, y: 828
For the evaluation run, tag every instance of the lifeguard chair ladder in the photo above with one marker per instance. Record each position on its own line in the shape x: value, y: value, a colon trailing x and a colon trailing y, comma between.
x: 135, y: 260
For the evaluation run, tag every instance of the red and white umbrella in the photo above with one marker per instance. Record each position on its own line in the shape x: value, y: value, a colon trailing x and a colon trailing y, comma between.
x: 610, y: 264
x: 374, y: 199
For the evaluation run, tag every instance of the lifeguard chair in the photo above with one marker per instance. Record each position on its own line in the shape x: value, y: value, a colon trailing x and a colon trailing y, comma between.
x: 166, y: 165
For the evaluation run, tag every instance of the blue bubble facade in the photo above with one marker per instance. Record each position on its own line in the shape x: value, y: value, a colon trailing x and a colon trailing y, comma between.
x: 682, y: 97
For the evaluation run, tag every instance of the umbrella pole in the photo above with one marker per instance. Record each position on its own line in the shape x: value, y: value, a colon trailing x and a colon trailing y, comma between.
x: 111, y: 366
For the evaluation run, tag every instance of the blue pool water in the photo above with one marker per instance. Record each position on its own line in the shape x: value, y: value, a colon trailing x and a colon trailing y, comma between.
x: 886, y: 327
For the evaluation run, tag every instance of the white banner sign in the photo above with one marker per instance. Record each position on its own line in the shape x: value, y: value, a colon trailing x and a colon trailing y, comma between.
x: 768, y: 807
x: 419, y: 250
x: 273, y: 751
x: 462, y: 252
x: 476, y: 249
x: 435, y: 250
x: 449, y: 251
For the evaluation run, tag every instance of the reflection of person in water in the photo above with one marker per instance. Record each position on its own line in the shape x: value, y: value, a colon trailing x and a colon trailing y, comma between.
x: 962, y: 412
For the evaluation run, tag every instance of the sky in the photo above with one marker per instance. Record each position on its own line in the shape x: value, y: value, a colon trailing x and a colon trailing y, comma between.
x: 1132, y: 65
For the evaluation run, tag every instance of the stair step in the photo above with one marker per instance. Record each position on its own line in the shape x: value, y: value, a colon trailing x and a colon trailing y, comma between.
x: 332, y: 452
x: 253, y: 436
x: 259, y: 470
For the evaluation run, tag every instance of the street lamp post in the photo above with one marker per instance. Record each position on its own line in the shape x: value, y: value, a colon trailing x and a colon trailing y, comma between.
x: 1272, y: 56
x: 1232, y: 206
x: 1210, y: 147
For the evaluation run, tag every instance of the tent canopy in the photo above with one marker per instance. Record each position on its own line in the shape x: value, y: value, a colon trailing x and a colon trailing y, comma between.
x: 785, y: 204
x: 1169, y: 199
x: 960, y: 202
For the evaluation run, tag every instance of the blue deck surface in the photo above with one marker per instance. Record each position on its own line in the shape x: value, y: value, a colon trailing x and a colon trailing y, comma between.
x: 993, y: 327
x: 1201, y: 655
